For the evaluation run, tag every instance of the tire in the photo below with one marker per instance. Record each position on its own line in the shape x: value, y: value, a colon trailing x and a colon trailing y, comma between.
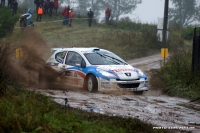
x: 92, y: 85
x: 138, y: 92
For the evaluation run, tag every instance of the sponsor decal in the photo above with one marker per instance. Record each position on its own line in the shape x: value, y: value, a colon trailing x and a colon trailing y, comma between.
x: 122, y: 70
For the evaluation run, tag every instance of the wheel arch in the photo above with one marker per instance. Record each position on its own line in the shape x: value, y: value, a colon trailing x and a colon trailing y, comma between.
x: 85, y: 81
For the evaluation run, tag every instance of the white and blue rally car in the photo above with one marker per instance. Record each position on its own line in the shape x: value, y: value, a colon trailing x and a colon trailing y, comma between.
x: 96, y: 69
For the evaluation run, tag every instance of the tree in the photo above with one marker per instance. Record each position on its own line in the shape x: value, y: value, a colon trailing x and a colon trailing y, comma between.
x: 120, y: 7
x: 84, y: 5
x: 184, y: 12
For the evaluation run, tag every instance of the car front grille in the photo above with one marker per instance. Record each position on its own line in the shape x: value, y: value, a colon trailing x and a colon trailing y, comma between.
x: 129, y: 85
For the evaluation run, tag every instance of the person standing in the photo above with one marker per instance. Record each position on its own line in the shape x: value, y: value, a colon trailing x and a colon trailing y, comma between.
x: 64, y: 13
x: 37, y: 3
x: 51, y: 6
x: 10, y: 3
x: 14, y: 7
x: 55, y: 6
x: 2, y: 2
x: 107, y: 14
x: 90, y: 15
x: 71, y: 15
x: 39, y: 13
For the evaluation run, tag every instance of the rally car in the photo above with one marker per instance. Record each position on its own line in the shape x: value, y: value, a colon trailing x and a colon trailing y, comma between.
x: 96, y: 69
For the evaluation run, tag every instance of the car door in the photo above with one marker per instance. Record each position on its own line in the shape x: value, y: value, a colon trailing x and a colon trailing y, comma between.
x: 57, y: 60
x: 73, y: 71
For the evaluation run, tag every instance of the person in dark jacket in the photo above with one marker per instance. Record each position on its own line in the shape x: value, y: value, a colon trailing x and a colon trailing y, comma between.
x: 90, y: 15
x: 37, y: 4
x: 46, y: 7
x: 10, y: 3
x: 14, y: 7
x: 2, y: 2
x: 51, y: 6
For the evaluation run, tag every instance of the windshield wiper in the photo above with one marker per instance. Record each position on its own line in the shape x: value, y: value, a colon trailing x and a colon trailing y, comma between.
x: 116, y: 59
x: 103, y: 55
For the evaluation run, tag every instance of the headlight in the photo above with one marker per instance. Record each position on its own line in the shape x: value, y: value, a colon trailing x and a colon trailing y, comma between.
x: 140, y: 73
x: 107, y: 74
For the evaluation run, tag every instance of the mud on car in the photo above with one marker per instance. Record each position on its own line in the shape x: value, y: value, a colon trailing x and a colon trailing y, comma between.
x: 95, y: 69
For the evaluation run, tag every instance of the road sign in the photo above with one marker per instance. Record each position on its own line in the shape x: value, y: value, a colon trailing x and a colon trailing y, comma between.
x: 164, y: 52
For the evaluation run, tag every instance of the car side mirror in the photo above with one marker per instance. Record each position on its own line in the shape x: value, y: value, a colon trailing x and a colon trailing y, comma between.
x: 83, y: 64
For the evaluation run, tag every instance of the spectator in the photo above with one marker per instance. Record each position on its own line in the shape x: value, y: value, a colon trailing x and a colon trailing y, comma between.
x: 107, y: 14
x: 90, y: 15
x: 2, y: 2
x: 14, y: 7
x: 55, y: 6
x: 46, y: 6
x: 64, y: 13
x: 71, y: 15
x: 39, y: 13
x: 10, y: 3
x: 37, y: 4
x: 51, y: 6
x: 30, y: 19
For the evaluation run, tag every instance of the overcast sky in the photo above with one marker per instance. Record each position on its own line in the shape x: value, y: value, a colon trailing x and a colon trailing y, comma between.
x: 149, y: 11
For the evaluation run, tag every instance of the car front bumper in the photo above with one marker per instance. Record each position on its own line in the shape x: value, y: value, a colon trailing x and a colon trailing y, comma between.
x: 134, y: 85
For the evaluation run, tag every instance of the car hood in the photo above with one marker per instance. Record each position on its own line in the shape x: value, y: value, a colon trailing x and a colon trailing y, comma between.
x: 124, y: 72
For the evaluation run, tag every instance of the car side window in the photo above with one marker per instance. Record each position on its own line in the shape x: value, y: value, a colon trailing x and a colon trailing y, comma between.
x: 60, y: 57
x: 73, y: 59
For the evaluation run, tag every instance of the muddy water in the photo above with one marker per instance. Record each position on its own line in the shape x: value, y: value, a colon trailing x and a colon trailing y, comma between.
x: 151, y: 107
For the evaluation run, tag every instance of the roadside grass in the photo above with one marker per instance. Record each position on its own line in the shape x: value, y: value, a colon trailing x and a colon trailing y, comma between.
x: 22, y: 110
x: 126, y: 42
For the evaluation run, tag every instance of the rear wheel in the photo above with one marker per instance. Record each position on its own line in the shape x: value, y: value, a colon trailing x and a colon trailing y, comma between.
x: 92, y: 85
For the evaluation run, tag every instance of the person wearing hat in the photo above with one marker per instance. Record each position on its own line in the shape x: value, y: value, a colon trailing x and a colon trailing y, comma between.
x: 90, y: 15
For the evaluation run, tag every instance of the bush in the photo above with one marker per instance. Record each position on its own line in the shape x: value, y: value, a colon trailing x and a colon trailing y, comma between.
x: 7, y: 22
x: 188, y: 32
x: 178, y: 76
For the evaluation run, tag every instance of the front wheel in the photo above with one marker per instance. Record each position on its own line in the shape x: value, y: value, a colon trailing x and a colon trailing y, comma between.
x: 92, y: 85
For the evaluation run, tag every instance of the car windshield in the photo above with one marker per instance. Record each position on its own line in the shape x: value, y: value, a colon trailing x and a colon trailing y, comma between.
x: 104, y: 58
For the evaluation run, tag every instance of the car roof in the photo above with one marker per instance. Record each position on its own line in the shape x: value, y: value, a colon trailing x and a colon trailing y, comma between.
x: 79, y: 49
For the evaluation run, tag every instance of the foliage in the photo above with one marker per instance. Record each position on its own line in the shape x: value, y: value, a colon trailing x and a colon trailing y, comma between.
x: 188, y: 32
x: 118, y: 7
x: 184, y: 12
x: 7, y: 21
x: 178, y: 77
x: 22, y: 110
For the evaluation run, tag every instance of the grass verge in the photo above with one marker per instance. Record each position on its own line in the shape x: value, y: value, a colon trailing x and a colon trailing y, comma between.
x: 24, y: 111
